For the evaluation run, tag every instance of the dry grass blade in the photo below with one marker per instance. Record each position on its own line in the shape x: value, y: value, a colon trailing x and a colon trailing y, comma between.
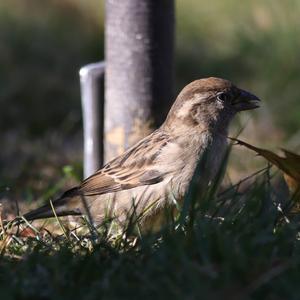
x: 4, y: 244
x: 59, y: 222
x: 2, y: 228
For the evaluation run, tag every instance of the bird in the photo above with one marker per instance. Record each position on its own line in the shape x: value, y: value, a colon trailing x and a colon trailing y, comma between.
x: 159, y: 168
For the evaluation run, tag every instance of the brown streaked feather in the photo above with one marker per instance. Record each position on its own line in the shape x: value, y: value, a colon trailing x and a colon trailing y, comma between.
x: 133, y: 168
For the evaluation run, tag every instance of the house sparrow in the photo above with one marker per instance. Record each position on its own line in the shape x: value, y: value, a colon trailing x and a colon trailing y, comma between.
x: 159, y: 168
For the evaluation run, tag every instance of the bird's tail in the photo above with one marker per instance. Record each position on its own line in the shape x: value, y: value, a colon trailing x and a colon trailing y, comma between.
x: 60, y: 207
x: 46, y: 211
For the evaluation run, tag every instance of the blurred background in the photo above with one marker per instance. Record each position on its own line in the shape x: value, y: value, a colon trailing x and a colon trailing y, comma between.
x: 254, y: 43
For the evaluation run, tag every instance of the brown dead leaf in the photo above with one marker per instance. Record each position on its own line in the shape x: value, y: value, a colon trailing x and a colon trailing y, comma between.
x: 289, y: 164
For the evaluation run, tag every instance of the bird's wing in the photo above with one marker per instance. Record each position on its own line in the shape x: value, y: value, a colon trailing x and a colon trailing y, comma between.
x: 102, y: 182
x: 134, y: 168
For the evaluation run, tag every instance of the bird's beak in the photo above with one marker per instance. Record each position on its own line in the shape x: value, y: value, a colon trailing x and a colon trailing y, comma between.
x: 246, y: 101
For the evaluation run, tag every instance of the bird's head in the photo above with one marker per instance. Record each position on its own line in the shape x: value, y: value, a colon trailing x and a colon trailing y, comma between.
x: 209, y: 103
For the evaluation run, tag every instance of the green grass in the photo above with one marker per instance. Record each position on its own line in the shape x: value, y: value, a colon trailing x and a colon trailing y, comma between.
x: 237, y: 245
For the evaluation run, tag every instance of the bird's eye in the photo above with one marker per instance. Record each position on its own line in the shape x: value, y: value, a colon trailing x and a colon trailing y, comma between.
x: 223, y: 97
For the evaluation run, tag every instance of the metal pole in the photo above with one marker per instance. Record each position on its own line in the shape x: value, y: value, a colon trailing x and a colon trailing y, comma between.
x: 92, y: 109
x: 139, y: 42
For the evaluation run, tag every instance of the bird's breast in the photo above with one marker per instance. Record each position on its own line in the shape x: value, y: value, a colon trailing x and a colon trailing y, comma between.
x: 208, y: 154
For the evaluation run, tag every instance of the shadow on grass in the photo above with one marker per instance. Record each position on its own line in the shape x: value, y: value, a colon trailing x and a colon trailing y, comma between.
x: 233, y: 245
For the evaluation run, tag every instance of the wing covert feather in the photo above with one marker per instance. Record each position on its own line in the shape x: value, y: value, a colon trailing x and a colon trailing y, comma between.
x: 136, y: 167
